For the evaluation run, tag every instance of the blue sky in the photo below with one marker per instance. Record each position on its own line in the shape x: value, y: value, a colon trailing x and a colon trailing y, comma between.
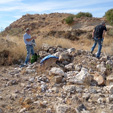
x: 11, y: 10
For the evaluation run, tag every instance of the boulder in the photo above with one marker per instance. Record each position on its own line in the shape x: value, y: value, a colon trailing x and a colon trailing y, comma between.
x: 45, y: 47
x: 64, y: 56
x: 69, y: 67
x: 69, y: 88
x: 71, y: 51
x: 63, y: 108
x: 56, y: 71
x: 109, y: 80
x: 58, y: 79
x: 101, y: 67
x: 99, y: 79
x: 83, y: 77
x: 78, y: 67
x: 43, y: 53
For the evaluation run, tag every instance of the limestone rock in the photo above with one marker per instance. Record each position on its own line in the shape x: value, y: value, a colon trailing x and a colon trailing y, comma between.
x: 62, y: 108
x: 99, y: 79
x: 82, y: 77
x: 64, y: 56
x: 78, y: 67
x: 69, y: 88
x: 56, y: 71
x: 69, y: 67
x: 101, y: 67
x: 71, y: 51
x: 43, y: 53
x: 45, y: 47
x: 58, y: 79
x: 109, y: 80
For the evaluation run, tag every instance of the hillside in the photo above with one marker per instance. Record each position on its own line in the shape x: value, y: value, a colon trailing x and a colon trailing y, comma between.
x: 44, y: 25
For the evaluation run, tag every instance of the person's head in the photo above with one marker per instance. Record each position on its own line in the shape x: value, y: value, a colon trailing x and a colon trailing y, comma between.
x: 27, y: 30
x: 103, y: 23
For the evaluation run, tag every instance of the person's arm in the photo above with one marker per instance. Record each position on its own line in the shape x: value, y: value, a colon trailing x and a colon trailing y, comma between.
x: 103, y: 34
x: 34, y: 37
x: 93, y: 34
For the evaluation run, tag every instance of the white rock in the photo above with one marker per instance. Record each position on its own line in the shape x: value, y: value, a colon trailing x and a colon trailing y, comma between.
x: 56, y: 71
x: 70, y: 67
x: 69, y: 88
x: 49, y: 110
x: 62, y: 108
x: 22, y: 110
x: 31, y: 79
x: 82, y: 77
x: 78, y: 67
x: 101, y: 68
x: 71, y: 51
x: 43, y: 87
x: 109, y: 89
x: 109, y: 80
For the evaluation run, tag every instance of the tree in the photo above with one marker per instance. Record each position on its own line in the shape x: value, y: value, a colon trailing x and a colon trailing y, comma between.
x: 109, y: 16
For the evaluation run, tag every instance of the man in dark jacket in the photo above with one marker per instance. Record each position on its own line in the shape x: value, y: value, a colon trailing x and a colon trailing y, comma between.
x: 98, y: 35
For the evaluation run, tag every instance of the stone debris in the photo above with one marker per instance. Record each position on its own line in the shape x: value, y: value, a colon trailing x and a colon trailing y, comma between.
x: 76, y: 83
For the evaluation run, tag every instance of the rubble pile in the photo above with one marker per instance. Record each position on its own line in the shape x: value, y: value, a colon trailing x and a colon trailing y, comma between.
x: 77, y: 83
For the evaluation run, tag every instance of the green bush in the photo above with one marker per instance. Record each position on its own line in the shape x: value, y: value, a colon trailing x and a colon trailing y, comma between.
x: 110, y: 32
x: 82, y: 14
x: 109, y: 16
x: 69, y: 20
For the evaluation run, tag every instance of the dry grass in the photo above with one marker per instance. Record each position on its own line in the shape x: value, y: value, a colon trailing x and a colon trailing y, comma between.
x: 18, y: 50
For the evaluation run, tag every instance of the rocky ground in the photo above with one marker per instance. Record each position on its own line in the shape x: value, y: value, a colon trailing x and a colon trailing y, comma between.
x: 78, y: 83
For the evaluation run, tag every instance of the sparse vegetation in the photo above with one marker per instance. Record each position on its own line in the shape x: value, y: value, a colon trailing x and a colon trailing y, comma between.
x: 109, y: 16
x: 110, y: 32
x: 69, y: 20
x: 83, y: 14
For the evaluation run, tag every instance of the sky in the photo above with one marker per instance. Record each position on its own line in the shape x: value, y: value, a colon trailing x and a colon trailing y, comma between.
x: 11, y: 10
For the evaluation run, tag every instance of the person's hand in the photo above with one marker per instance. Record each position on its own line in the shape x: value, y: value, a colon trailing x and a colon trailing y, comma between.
x: 102, y: 39
x: 34, y: 37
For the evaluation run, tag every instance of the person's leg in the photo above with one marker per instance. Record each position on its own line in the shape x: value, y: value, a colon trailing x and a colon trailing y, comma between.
x: 28, y: 54
x: 99, y: 48
x: 94, y: 45
x: 32, y: 50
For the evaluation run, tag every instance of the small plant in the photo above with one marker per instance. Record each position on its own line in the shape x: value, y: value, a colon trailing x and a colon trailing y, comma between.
x: 69, y: 20
x: 108, y: 67
x: 110, y: 32
x: 82, y: 14
x: 109, y: 16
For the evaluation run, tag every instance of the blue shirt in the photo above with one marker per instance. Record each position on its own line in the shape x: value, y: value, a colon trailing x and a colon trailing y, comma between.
x: 27, y: 36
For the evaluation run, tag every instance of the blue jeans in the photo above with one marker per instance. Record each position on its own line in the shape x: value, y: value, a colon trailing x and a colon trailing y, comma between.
x: 30, y: 50
x: 99, y: 41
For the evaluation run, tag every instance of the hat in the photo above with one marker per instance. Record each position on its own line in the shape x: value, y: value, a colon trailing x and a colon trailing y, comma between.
x: 27, y: 29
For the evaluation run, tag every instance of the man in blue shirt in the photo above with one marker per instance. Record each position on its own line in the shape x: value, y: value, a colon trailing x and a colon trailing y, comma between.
x: 29, y: 44
x: 98, y: 36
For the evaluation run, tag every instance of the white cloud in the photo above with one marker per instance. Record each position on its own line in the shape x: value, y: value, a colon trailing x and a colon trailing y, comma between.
x: 69, y: 6
x: 8, y: 1
x: 17, y: 16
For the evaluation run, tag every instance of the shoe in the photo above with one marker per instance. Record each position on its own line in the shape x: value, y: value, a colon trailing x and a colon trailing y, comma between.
x: 98, y: 57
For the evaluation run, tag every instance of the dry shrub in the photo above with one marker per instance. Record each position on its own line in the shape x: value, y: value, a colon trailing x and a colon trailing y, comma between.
x: 17, y: 49
x: 54, y: 42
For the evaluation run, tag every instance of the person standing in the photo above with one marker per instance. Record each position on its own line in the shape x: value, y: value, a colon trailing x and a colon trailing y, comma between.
x: 98, y: 36
x: 28, y: 40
